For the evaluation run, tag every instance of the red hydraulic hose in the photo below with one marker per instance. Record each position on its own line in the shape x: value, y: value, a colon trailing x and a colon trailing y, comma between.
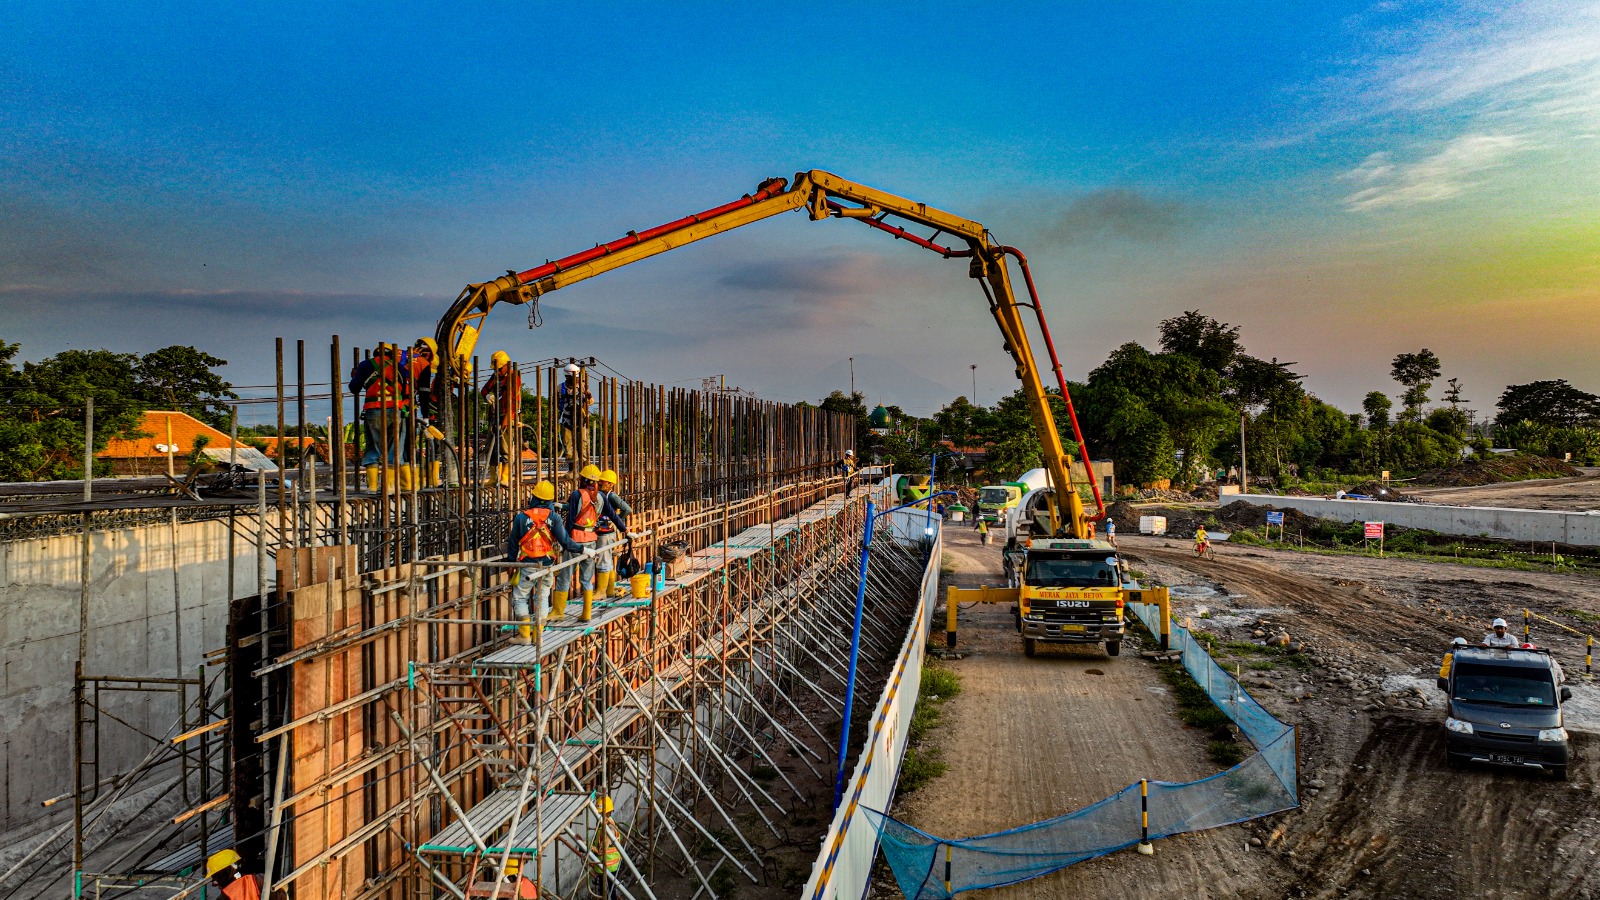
x: 905, y: 235
x: 1061, y: 379
x: 767, y: 189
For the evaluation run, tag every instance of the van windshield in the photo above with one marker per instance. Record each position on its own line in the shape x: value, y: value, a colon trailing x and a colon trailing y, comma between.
x: 1504, y: 686
x: 1058, y: 571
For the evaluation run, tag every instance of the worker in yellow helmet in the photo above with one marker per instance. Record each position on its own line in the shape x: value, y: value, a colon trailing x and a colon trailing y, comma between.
x: 536, y: 534
x: 423, y: 363
x: 585, y: 509
x: 513, y: 885
x: 223, y: 870
x: 606, y: 848
x: 612, y: 525
x: 503, y: 391
x: 385, y: 389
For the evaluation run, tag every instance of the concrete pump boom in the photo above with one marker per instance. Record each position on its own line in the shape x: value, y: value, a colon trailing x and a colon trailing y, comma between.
x: 820, y: 194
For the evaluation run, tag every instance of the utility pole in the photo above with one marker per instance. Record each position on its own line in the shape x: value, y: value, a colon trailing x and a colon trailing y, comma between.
x: 852, y: 378
x: 1244, y: 471
x: 974, y: 368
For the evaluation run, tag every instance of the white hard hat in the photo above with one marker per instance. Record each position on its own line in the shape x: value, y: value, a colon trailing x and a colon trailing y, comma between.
x: 1498, y: 623
x: 849, y: 453
x: 571, y: 369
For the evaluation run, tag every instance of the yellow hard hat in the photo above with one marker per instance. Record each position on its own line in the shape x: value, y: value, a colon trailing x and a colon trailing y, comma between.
x: 591, y: 472
x: 221, y: 860
x: 544, y: 490
x: 433, y: 348
x: 513, y: 867
x: 608, y: 475
x: 604, y: 802
x: 499, y: 359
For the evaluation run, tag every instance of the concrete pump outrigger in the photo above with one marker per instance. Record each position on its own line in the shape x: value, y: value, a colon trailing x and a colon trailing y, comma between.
x: 1048, y: 610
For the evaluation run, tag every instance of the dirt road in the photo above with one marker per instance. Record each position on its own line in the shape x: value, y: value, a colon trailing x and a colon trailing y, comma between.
x: 1028, y: 739
x: 1383, y: 816
x: 1569, y: 494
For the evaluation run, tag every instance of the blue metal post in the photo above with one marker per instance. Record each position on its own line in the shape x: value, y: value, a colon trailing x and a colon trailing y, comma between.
x: 855, y: 652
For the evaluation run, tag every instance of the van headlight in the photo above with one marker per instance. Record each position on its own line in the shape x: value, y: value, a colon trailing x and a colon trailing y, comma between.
x: 1553, y: 735
x: 1460, y: 727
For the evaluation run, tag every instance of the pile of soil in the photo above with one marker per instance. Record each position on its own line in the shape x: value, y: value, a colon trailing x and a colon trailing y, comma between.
x: 1240, y: 514
x: 1495, y: 470
x: 1377, y: 489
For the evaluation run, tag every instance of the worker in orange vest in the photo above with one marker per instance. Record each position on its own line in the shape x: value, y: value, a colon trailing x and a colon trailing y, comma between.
x: 223, y: 870
x: 536, y: 534
x: 385, y: 389
x: 514, y: 886
x: 585, y: 508
x: 503, y: 391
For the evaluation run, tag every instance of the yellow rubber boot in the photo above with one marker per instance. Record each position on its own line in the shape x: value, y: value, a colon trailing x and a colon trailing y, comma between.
x: 434, y: 477
x: 558, y: 603
x: 372, y: 479
x: 603, y: 581
x: 525, y: 630
x: 588, y: 605
x: 404, y: 477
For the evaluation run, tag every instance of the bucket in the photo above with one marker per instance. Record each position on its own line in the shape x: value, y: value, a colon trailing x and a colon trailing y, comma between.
x: 640, y: 584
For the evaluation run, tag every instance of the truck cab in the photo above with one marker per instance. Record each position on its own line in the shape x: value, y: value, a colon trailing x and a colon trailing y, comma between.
x: 995, y: 499
x: 1504, y: 708
x: 1069, y: 592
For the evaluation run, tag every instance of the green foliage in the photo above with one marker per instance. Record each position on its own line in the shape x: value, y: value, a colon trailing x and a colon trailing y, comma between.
x: 922, y: 763
x: 1548, y: 403
x: 1225, y: 753
x: 42, y: 403
x: 1416, y: 371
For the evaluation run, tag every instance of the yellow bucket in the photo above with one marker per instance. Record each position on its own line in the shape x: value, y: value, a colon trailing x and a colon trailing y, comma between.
x: 640, y: 584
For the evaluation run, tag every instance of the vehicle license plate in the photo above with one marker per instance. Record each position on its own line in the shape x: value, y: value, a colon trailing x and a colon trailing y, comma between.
x: 1075, y: 628
x: 1505, y: 760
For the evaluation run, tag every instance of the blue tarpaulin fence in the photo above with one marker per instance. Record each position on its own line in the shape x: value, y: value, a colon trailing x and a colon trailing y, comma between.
x: 926, y: 866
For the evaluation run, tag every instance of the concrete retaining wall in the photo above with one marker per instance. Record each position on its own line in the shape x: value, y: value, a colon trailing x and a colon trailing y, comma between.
x: 140, y: 615
x: 1475, y: 521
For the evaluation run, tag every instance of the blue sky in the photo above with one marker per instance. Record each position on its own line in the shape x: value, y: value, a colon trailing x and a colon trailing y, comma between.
x: 1345, y: 180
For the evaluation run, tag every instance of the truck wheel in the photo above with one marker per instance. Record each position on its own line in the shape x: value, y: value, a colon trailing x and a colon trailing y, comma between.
x: 1113, y: 648
x: 1029, y: 646
x: 1559, y: 773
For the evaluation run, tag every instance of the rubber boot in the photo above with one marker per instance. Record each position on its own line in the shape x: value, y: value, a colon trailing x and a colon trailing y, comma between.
x: 525, y: 631
x: 505, y: 475
x: 404, y: 477
x: 372, y: 479
x: 603, y: 582
x: 558, y: 603
x: 588, y: 605
x: 435, y: 479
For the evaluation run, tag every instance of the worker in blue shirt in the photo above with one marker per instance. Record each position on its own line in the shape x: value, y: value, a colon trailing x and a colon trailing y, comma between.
x: 536, y: 534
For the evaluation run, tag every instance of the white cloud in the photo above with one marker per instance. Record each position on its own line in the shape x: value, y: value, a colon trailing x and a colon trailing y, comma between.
x: 1445, y: 174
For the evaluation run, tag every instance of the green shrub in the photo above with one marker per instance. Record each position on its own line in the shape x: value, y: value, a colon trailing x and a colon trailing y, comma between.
x: 1225, y: 753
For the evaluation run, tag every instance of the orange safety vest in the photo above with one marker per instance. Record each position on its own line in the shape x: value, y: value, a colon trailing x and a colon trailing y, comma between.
x: 588, y: 515
x: 245, y: 887
x: 538, y: 542
x: 386, y: 390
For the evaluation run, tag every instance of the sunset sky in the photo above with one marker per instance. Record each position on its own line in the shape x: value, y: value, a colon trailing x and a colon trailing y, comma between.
x: 1347, y: 181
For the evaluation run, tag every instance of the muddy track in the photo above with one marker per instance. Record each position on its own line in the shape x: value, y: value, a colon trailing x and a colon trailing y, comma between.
x: 1387, y: 817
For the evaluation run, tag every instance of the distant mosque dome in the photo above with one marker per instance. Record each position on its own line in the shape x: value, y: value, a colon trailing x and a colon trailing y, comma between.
x: 880, y: 417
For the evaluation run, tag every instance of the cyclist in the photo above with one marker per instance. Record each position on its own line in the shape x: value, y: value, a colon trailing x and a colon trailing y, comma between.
x: 1202, y: 544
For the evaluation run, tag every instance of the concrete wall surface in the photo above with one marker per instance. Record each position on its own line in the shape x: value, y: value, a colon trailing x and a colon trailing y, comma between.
x: 1475, y: 521
x: 158, y: 601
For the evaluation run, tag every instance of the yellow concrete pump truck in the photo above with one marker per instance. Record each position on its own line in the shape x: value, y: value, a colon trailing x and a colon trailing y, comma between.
x: 1071, y: 585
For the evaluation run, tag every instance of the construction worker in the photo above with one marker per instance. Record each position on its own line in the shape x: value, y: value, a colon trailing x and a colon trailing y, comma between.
x: 572, y: 405
x: 503, y: 391
x: 607, y: 850
x: 536, y: 533
x: 607, y: 531
x: 223, y: 870
x: 385, y: 408
x: 1500, y: 637
x: 585, y: 509
x: 846, y: 466
x: 423, y: 364
x: 514, y: 886
x: 983, y: 532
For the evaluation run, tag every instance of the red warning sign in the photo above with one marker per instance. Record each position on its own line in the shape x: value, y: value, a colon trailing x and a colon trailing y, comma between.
x: 1374, y: 529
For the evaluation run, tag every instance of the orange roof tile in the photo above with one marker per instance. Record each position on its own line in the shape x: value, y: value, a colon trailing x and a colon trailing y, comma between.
x: 185, y: 428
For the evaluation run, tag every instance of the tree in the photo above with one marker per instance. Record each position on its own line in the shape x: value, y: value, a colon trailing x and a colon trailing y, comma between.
x: 1416, y: 371
x: 1547, y: 403
x: 1211, y: 343
x: 1376, y: 405
x: 180, y: 378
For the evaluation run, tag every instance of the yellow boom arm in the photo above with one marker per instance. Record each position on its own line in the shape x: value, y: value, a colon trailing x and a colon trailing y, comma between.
x: 820, y: 194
